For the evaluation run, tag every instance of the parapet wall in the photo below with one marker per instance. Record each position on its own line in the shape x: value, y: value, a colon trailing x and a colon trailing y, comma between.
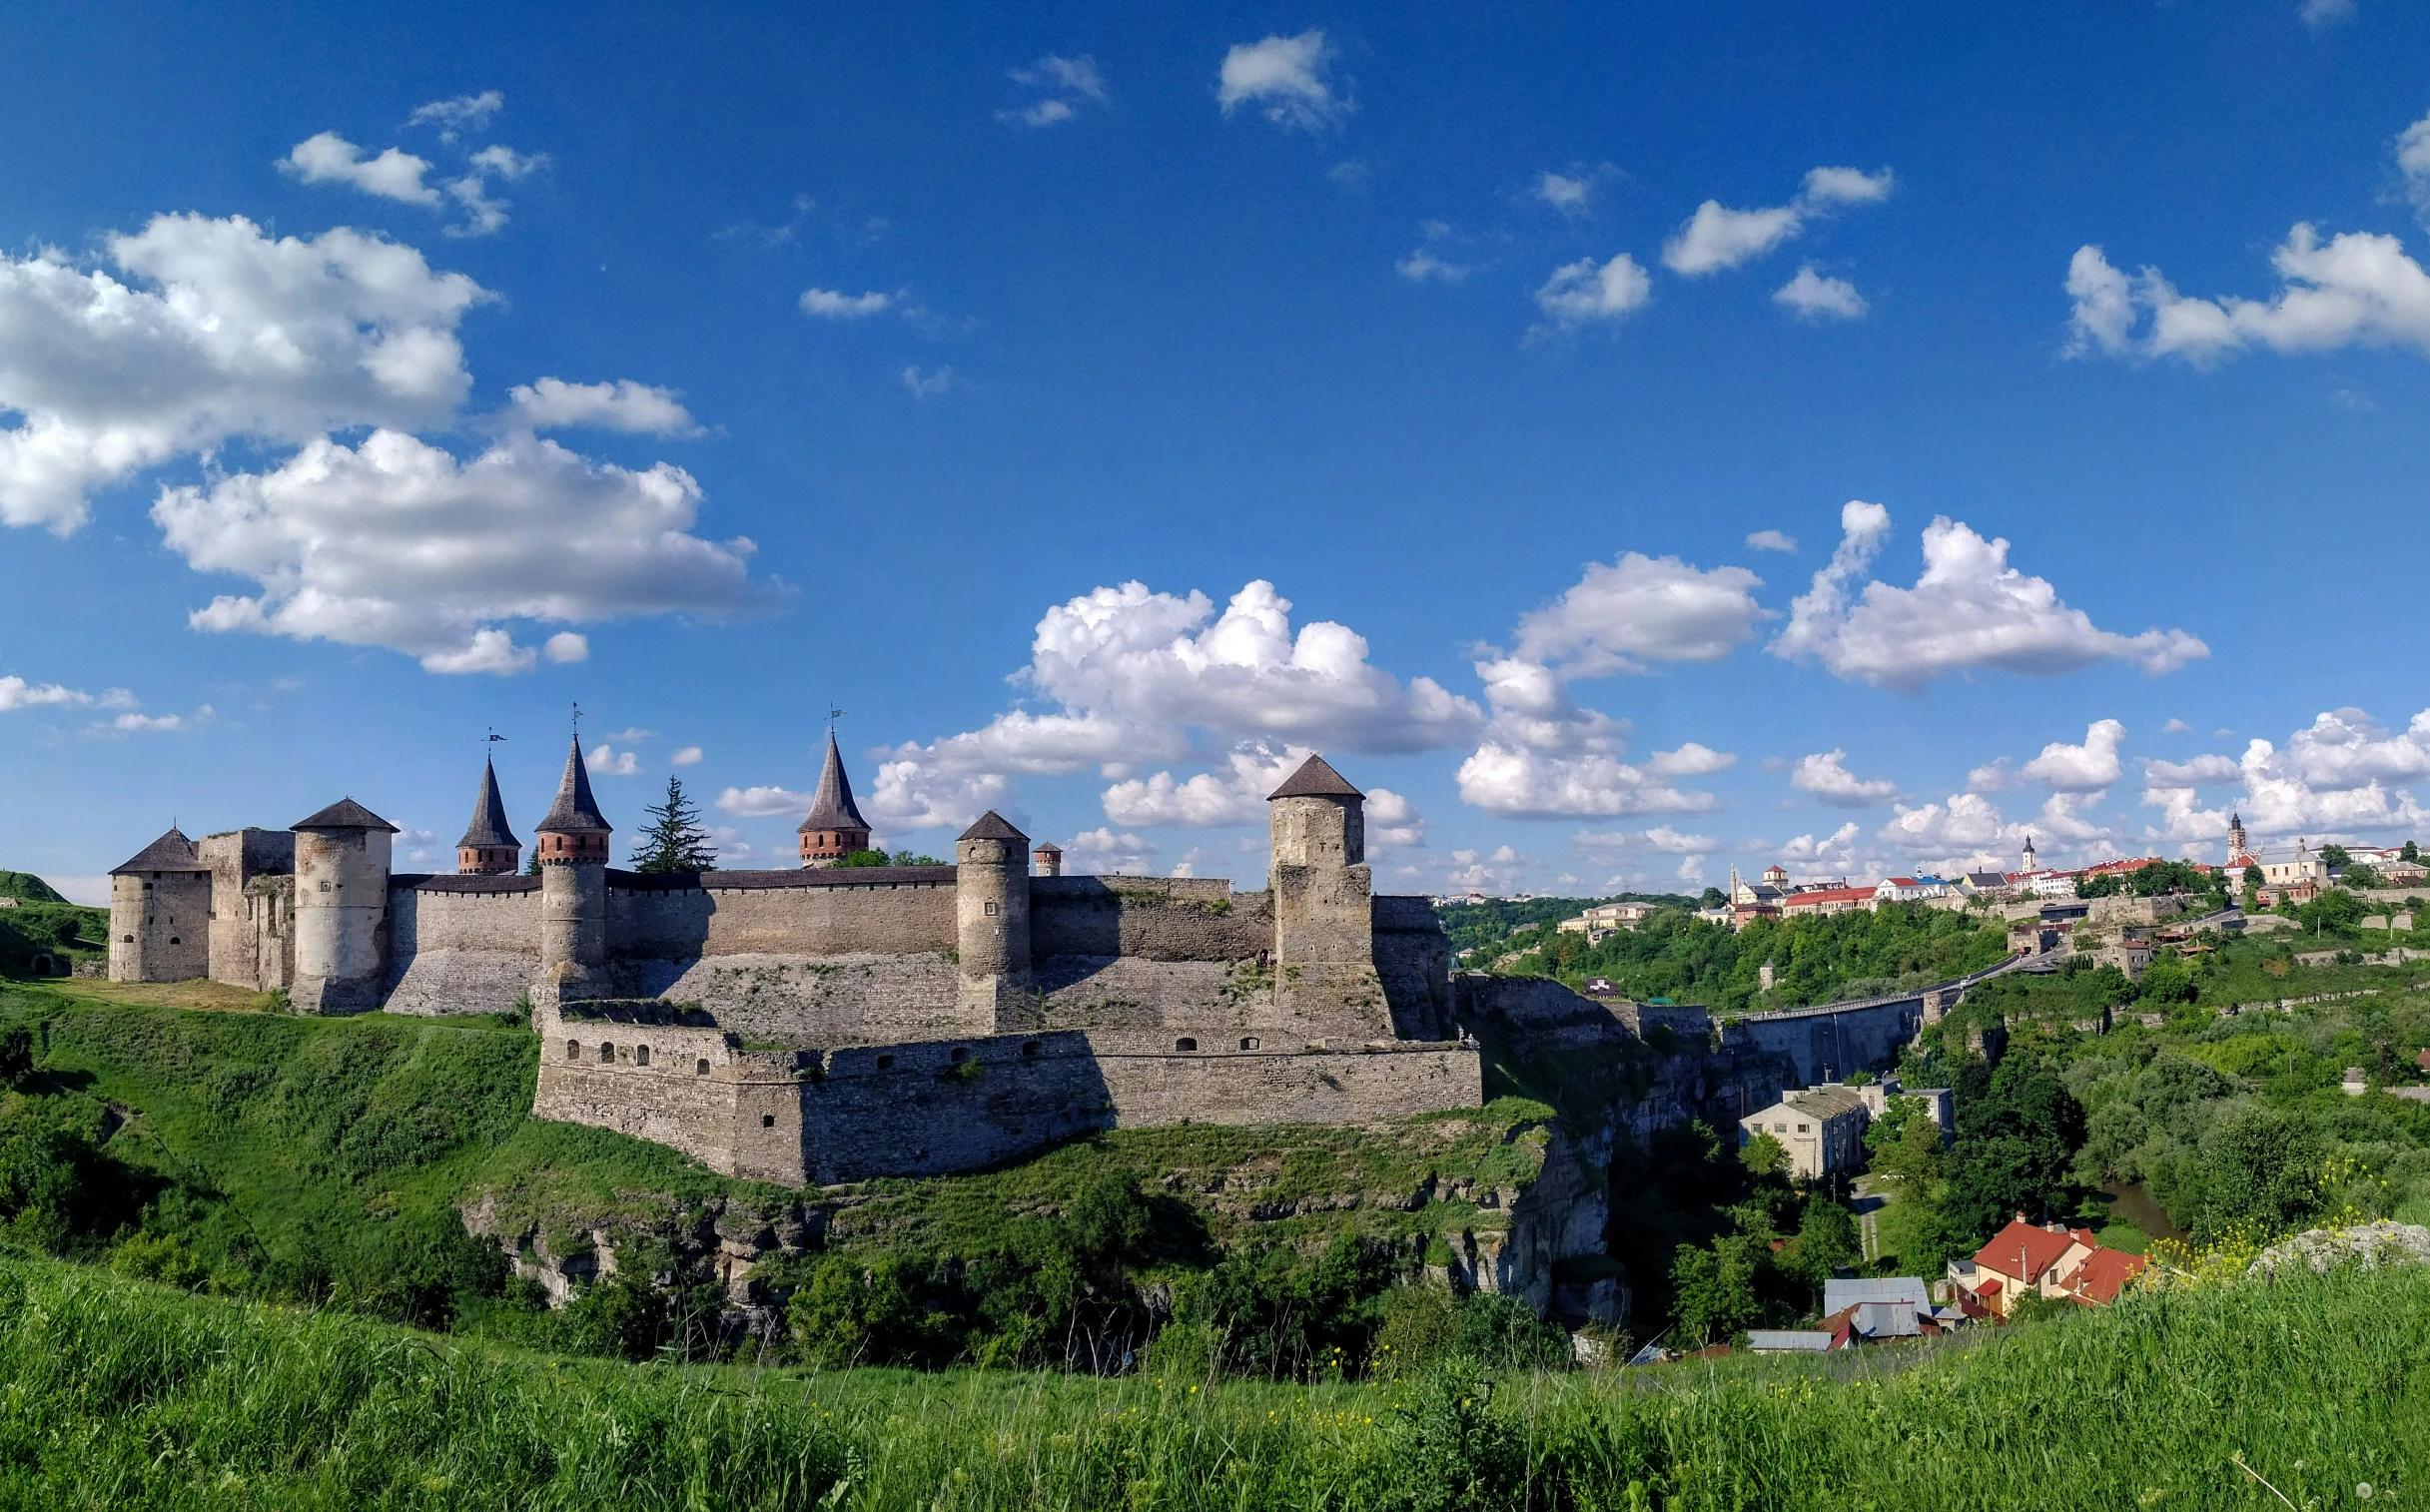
x: 1827, y: 1044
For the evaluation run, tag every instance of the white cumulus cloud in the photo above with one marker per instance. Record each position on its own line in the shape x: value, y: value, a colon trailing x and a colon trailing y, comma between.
x: 1284, y: 77
x: 835, y: 305
x: 2358, y: 288
x: 1585, y: 292
x: 1623, y: 614
x: 687, y: 756
x: 1813, y: 296
x: 1825, y: 775
x: 1108, y: 853
x: 1065, y: 84
x: 331, y: 159
x: 397, y: 543
x: 463, y: 113
x: 1772, y: 541
x: 1716, y: 236
x: 553, y: 404
x: 607, y: 761
x: 760, y: 803
x: 1970, y: 610
x: 1393, y: 822
x: 1691, y: 760
x: 221, y: 332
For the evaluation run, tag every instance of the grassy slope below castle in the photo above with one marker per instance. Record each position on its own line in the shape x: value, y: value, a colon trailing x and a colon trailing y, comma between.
x: 127, y: 1395
x: 258, y: 1154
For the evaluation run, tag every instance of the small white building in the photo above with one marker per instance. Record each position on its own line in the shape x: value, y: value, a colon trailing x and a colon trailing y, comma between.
x: 1821, y: 1129
x: 1912, y: 889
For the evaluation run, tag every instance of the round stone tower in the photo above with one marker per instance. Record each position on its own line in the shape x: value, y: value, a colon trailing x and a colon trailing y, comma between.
x: 160, y: 907
x: 488, y: 848
x: 341, y: 909
x: 992, y: 921
x: 1326, y: 985
x: 573, y: 852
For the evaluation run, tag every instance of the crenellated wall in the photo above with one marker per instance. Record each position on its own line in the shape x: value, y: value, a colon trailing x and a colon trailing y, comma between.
x: 461, y: 944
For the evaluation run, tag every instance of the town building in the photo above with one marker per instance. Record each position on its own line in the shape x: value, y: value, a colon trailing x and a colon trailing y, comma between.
x: 1912, y: 889
x: 1821, y: 1129
x: 1823, y: 902
x: 2046, y: 1259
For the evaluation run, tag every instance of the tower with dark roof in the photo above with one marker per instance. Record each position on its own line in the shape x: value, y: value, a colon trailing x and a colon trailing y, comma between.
x: 992, y: 923
x: 2239, y: 855
x: 571, y: 844
x: 1326, y: 984
x: 833, y: 828
x: 342, y: 904
x: 160, y: 907
x: 488, y: 848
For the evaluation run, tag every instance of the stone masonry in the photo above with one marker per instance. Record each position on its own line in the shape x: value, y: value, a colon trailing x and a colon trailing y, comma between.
x: 836, y: 1022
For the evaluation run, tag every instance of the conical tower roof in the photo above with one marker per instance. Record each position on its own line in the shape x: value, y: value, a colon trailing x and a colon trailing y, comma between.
x: 832, y: 807
x: 172, y: 852
x: 575, y: 811
x: 489, y: 827
x: 1315, y: 779
x: 992, y: 826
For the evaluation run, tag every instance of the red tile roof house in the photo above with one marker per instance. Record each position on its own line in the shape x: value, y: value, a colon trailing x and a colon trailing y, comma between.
x: 2048, y: 1260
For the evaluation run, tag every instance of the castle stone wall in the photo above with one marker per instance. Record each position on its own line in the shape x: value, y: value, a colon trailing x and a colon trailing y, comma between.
x: 1148, y: 918
x: 898, y: 911
x: 1825, y: 1045
x: 1413, y: 964
x: 814, y: 1002
x: 238, y: 929
x: 462, y: 944
x: 160, y: 926
x: 952, y: 1105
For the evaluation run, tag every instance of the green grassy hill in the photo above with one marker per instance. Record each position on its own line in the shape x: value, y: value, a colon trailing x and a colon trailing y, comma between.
x: 126, y: 1395
x: 41, y: 923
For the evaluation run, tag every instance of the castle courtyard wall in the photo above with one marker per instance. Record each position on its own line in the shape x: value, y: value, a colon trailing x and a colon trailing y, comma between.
x: 462, y: 945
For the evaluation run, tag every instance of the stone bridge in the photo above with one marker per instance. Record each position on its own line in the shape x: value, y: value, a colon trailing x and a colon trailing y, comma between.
x: 1827, y: 1041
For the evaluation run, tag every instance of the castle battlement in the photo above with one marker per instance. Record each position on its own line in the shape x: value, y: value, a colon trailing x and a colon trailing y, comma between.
x: 828, y: 1022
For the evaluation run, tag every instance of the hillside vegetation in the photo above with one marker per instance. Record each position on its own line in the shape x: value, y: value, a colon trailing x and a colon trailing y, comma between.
x: 1675, y: 955
x: 45, y: 924
x: 126, y: 1395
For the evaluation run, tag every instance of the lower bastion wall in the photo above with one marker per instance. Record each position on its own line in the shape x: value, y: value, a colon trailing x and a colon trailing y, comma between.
x: 462, y: 945
x: 938, y: 1107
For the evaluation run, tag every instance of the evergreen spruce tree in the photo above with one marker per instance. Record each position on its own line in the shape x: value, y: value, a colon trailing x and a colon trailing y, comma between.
x: 673, y: 840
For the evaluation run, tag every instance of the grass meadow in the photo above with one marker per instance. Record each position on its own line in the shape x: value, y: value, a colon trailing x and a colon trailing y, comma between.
x: 119, y: 1394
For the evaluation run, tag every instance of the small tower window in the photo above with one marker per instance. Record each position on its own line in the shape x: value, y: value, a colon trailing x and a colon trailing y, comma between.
x: 1185, y: 1045
x: 642, y: 1055
x: 174, y: 939
x: 700, y: 1068
x: 607, y: 1052
x: 956, y: 1053
x: 991, y: 909
x: 1028, y: 1048
x: 767, y: 1120
x: 1249, y: 1042
x: 573, y: 1050
x: 885, y: 1063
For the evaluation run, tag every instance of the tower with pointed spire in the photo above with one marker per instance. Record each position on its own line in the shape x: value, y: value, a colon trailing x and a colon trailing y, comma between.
x: 488, y: 848
x: 833, y: 828
x: 2029, y: 854
x: 2239, y: 855
x: 572, y: 849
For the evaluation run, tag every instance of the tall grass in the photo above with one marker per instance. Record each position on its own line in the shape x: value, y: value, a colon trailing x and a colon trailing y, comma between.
x: 115, y: 1394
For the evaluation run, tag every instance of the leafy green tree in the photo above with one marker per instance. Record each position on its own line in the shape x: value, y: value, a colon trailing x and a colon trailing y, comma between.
x: 673, y: 840
x: 880, y: 858
x: 1716, y: 1288
x: 2253, y: 876
x: 1826, y: 1241
x: 2335, y: 856
x: 2015, y: 1144
x: 16, y: 1057
x: 2411, y: 852
x: 2258, y: 1169
x: 2168, y: 980
x: 1764, y: 1155
x: 1713, y: 898
x: 1904, y: 1143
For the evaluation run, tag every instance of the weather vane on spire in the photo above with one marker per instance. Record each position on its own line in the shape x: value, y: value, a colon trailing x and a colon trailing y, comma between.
x: 493, y: 736
x: 833, y: 714
x: 577, y: 721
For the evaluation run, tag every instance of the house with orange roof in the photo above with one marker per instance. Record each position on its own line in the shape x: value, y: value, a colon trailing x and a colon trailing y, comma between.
x: 2048, y: 1260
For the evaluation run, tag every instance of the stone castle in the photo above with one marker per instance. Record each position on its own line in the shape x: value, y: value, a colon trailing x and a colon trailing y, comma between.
x: 830, y: 1023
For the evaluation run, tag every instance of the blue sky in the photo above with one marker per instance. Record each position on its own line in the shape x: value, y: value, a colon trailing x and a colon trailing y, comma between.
x: 366, y: 385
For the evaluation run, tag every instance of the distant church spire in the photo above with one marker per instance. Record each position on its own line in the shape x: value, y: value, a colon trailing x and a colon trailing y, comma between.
x: 488, y: 847
x: 833, y: 828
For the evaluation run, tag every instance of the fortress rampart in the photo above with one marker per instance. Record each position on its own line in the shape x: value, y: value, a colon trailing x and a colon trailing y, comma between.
x: 836, y: 1022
